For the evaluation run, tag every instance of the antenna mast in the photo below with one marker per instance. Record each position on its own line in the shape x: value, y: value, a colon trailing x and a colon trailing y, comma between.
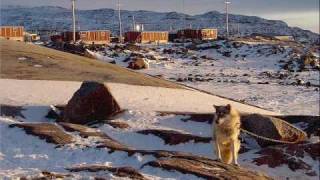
x: 120, y: 24
x: 74, y: 20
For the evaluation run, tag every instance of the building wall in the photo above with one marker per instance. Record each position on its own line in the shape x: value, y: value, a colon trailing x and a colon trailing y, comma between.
x: 147, y: 37
x: 209, y: 34
x: 12, y: 33
x: 202, y: 34
x: 154, y: 37
x: 96, y: 37
x: 14, y: 38
x: 68, y: 36
x: 132, y: 37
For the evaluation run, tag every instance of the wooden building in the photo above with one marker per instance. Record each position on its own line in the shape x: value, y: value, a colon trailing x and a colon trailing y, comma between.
x: 95, y: 37
x: 12, y: 33
x: 161, y: 37
x: 68, y: 36
x: 31, y: 37
x: 201, y: 34
x: 88, y: 37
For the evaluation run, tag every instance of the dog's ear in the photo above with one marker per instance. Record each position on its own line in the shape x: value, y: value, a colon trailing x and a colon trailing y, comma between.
x: 228, y: 107
x: 216, y: 107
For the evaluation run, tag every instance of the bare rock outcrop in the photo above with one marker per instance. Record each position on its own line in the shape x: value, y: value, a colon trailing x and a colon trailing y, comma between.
x: 47, y: 131
x: 292, y: 156
x: 127, y: 172
x: 92, y: 102
x: 207, y: 169
x: 172, y: 137
x: 138, y: 63
x: 272, y: 128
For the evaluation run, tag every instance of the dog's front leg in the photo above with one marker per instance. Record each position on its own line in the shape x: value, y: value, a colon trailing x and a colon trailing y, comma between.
x: 218, y: 152
x: 234, y: 153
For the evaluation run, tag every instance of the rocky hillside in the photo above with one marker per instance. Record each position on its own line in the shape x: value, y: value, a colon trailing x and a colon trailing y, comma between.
x: 57, y: 18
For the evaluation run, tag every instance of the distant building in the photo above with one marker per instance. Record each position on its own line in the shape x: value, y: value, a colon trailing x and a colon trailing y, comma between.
x: 173, y: 36
x: 95, y: 37
x: 201, y: 34
x: 160, y: 37
x: 284, y: 37
x: 15, y: 33
x: 68, y: 36
x: 88, y: 37
x: 45, y: 35
x: 31, y: 37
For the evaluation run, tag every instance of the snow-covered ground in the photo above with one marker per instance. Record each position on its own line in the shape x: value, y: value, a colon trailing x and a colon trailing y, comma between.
x: 27, y: 155
x: 38, y: 92
x: 251, y: 74
x: 255, y: 79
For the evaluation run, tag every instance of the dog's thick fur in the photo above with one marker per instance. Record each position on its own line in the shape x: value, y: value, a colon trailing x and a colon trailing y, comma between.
x: 226, y: 131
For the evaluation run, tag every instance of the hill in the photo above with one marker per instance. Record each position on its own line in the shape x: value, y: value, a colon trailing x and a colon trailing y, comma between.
x: 27, y: 61
x: 57, y: 18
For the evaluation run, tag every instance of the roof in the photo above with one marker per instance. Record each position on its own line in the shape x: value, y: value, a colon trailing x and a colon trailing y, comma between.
x: 11, y: 26
x: 198, y: 29
x: 96, y: 31
x: 147, y: 32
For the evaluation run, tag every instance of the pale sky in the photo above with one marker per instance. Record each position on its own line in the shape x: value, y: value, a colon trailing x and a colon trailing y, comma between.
x: 301, y: 13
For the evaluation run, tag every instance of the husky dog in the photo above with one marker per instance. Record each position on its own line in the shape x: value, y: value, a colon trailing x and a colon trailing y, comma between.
x: 226, y: 131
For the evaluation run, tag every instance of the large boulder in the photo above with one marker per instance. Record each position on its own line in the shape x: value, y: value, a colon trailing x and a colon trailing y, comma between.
x: 272, y: 128
x: 92, y: 102
x: 138, y: 63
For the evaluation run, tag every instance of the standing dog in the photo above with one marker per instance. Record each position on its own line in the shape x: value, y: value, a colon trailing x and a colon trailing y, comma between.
x: 226, y: 131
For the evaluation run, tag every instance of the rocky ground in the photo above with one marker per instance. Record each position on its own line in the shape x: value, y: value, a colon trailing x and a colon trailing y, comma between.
x: 148, y: 128
x: 44, y: 141
x: 282, y: 77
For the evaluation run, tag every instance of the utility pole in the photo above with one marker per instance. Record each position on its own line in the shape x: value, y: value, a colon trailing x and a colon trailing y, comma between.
x: 74, y: 20
x: 120, y: 24
x: 227, y: 17
x: 184, y: 14
x: 133, y: 23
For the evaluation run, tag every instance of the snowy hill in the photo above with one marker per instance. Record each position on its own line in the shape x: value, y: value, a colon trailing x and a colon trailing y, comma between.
x: 57, y: 18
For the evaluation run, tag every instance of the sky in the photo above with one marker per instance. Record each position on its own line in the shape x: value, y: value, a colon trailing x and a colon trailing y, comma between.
x: 300, y: 13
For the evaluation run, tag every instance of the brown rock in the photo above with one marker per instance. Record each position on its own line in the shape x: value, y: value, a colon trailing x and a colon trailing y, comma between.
x: 272, y: 128
x: 132, y: 47
x: 83, y: 131
x: 207, y: 169
x: 56, y: 112
x: 53, y: 175
x: 312, y: 123
x: 291, y: 156
x: 138, y: 63
x: 11, y: 111
x: 105, y: 140
x: 196, y: 117
x: 50, y: 132
x: 92, y: 102
x: 172, y: 137
x: 128, y: 172
x: 118, y: 124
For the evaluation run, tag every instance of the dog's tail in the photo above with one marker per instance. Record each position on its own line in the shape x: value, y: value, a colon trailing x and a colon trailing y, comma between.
x: 227, y: 156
